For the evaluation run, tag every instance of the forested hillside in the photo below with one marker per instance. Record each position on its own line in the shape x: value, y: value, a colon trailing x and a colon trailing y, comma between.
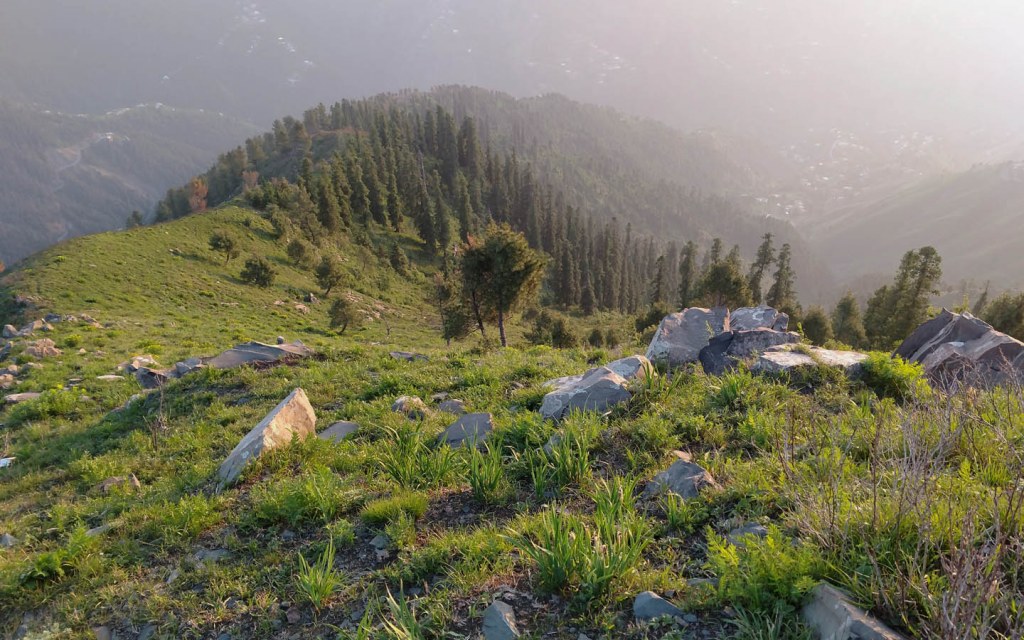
x: 67, y: 175
x: 550, y: 167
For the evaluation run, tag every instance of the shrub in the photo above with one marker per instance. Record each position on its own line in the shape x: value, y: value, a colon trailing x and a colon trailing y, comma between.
x: 552, y: 329
x: 611, y: 338
x: 54, y: 403
x: 764, y: 572
x: 258, y: 271
x: 652, y: 317
x: 383, y: 511
x: 224, y: 242
x: 596, y: 338
x: 300, y: 252
x: 53, y: 565
x: 893, y: 377
x: 343, y: 313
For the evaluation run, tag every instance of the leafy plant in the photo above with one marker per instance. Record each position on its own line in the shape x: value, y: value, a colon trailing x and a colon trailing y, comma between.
x: 403, y: 624
x: 487, y: 475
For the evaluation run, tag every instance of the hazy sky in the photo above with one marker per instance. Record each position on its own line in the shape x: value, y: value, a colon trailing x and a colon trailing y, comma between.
x: 732, y: 63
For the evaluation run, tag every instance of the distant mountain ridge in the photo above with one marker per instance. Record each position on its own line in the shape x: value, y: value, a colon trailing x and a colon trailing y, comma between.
x: 66, y: 175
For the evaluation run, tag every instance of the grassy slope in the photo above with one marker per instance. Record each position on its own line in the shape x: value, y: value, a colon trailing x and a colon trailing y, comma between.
x: 804, y: 460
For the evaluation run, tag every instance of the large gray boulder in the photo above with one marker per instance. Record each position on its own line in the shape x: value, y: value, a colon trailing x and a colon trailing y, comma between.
x: 596, y: 390
x: 762, y: 317
x: 957, y: 347
x: 683, y: 478
x: 727, y: 350
x: 831, y: 614
x: 790, y: 357
x: 293, y: 417
x: 257, y: 352
x: 681, y: 336
x: 469, y: 430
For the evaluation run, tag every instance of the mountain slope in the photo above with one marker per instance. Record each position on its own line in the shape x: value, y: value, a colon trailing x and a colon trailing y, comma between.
x: 973, y: 218
x: 67, y: 175
x: 664, y: 184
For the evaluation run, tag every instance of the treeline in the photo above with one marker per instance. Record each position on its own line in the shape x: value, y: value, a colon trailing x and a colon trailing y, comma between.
x: 359, y: 169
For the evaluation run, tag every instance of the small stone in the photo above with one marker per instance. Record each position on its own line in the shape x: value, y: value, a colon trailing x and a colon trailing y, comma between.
x: 109, y: 378
x: 689, y: 618
x: 649, y: 605
x: 456, y: 407
x: 7, y: 541
x: 125, y: 482
x: 294, y: 616
x: 100, y: 530
x: 471, y: 429
x: 380, y: 542
x: 280, y: 340
x: 408, y: 356
x: 683, y: 478
x: 737, y: 536
x: 500, y: 622
x: 287, y: 535
x: 411, y: 406
x: 339, y: 431
x: 147, y: 632
x: 101, y: 633
x: 172, y: 576
x: 18, y: 398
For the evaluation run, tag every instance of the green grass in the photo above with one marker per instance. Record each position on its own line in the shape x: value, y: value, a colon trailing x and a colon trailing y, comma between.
x: 880, y: 486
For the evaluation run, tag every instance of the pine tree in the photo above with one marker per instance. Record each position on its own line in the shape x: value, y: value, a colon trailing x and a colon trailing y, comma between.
x: 396, y: 208
x: 328, y: 209
x: 424, y: 218
x: 588, y: 303
x: 658, y: 287
x: 781, y: 294
x: 329, y: 274
x: 463, y: 207
x: 360, y: 198
x: 847, y: 324
x: 764, y: 259
x: 687, y: 274
x: 817, y: 326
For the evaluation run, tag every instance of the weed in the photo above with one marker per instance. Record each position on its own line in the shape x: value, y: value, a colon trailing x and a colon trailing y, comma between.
x: 319, y: 581
x: 385, y: 510
x: 487, y: 475
x: 403, y: 624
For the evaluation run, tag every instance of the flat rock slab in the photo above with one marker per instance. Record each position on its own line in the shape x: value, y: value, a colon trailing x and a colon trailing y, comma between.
x: 338, y: 431
x: 683, y: 478
x: 681, y: 336
x: 739, y: 535
x: 500, y: 622
x: 596, y: 390
x: 471, y: 429
x: 788, y: 358
x: 832, y: 615
x: 650, y: 606
x: 253, y: 352
x: 293, y: 417
x: 18, y: 398
x: 408, y: 356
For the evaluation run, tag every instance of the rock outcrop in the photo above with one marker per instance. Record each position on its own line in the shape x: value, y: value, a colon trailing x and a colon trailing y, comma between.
x: 257, y: 352
x: 788, y: 358
x: 18, y: 398
x: 293, y: 417
x: 596, y: 390
x: 762, y: 317
x: 727, y: 350
x: 44, y: 348
x: 830, y: 614
x: 681, y: 336
x: 683, y: 478
x: 957, y: 347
